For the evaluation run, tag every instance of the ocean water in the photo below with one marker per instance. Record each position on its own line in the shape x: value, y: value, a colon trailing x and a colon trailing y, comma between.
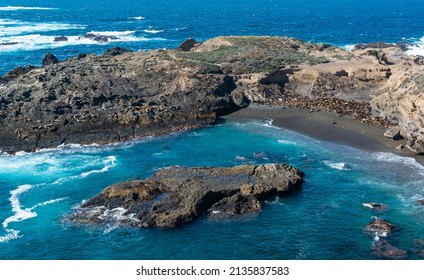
x: 323, y: 221
x: 151, y: 24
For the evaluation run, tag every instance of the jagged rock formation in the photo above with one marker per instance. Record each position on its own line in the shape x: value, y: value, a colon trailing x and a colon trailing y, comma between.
x: 123, y: 95
x: 177, y: 195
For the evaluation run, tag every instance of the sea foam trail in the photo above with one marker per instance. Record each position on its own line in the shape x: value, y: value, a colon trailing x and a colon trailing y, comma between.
x: 37, y: 41
x: 109, y: 163
x: 17, y: 8
x: 18, y: 28
x: 20, y: 214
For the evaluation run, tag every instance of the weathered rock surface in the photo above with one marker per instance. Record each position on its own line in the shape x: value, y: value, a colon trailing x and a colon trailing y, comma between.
x: 375, y: 205
x: 382, y: 248
x: 124, y: 95
x: 380, y: 227
x: 177, y: 195
x: 393, y: 133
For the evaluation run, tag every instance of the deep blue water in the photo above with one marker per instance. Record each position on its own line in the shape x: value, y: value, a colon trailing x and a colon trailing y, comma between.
x: 324, y: 221
x: 151, y: 24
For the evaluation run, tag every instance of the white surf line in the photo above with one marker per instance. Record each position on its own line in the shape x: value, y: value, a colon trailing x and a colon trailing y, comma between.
x: 17, y: 8
x: 109, y: 163
x: 21, y: 214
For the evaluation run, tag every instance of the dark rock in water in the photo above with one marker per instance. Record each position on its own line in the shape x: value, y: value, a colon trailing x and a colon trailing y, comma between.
x: 418, y: 245
x: 60, y: 39
x: 420, y: 202
x: 9, y: 43
x: 115, y: 51
x: 175, y: 196
x: 49, y: 59
x: 235, y: 205
x: 382, y: 248
x: 188, y: 44
x: 99, y: 38
x: 380, y: 227
x: 375, y: 205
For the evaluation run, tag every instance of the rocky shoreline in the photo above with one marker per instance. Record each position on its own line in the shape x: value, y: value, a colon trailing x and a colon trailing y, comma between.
x: 122, y: 95
x: 175, y: 196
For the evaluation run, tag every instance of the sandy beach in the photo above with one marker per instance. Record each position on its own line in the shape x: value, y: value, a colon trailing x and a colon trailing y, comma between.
x: 327, y: 127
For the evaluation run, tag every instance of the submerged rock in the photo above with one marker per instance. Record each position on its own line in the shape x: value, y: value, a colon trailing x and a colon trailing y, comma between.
x: 375, y: 205
x: 177, y: 195
x: 380, y: 227
x: 382, y: 248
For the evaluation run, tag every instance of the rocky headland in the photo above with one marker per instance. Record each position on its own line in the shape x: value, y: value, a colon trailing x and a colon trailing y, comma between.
x: 177, y: 195
x: 122, y: 95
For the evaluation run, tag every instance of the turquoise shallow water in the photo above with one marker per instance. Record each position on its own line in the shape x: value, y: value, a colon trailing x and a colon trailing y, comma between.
x: 323, y: 221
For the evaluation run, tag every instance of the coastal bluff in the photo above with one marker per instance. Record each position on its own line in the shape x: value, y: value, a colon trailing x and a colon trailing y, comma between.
x: 178, y: 195
x: 123, y: 95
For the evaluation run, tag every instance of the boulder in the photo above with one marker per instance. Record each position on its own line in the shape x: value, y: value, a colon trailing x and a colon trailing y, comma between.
x: 380, y: 227
x: 115, y: 51
x: 235, y: 205
x: 188, y: 44
x: 177, y: 195
x: 50, y: 59
x: 384, y: 249
x: 393, y: 133
x: 60, y: 39
x: 375, y: 205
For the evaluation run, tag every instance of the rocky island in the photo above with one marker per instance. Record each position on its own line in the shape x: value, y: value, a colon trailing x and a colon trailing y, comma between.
x: 123, y: 95
x: 177, y: 195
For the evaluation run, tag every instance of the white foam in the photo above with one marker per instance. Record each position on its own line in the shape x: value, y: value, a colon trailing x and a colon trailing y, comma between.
x: 367, y: 205
x: 37, y: 41
x: 31, y: 28
x: 47, y: 202
x: 17, y: 8
x: 336, y: 165
x: 242, y: 158
x: 389, y: 157
x: 10, y: 235
x: 286, y: 142
x: 348, y: 47
x: 154, y: 31
x: 417, y: 48
x: 109, y: 163
x: 138, y: 18
x: 19, y: 213
x: 113, y: 33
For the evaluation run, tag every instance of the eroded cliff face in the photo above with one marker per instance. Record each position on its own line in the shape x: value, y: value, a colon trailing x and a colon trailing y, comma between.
x: 123, y: 95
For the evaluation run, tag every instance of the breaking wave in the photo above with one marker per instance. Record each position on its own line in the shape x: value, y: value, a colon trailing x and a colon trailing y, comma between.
x: 337, y: 165
x: 17, y: 8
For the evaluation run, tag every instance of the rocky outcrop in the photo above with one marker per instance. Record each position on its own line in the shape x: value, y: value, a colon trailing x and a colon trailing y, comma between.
x: 124, y: 95
x: 380, y: 227
x: 177, y: 195
x: 49, y: 59
x: 384, y: 249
